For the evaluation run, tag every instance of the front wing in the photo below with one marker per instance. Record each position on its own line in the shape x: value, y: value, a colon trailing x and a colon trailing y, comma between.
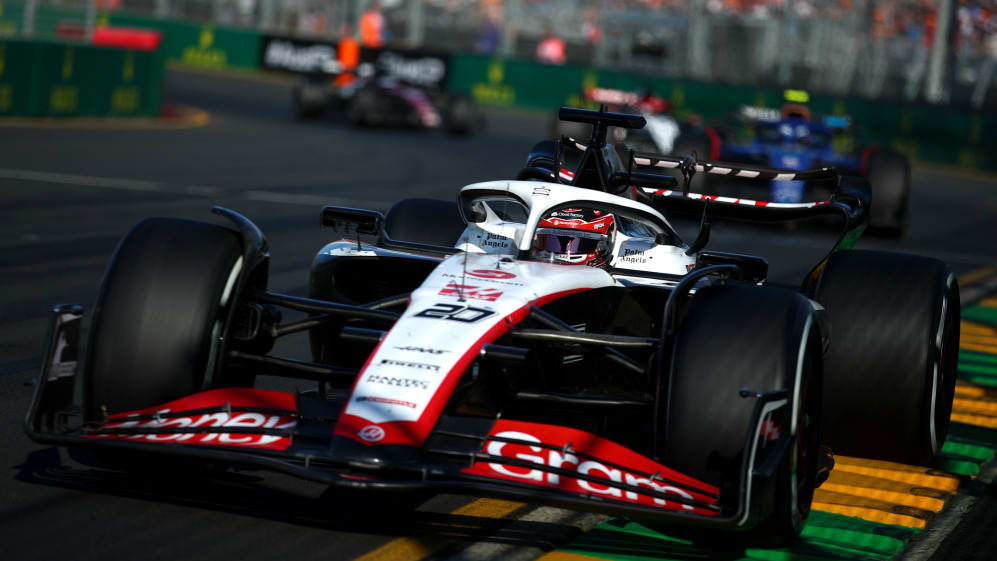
x: 293, y: 434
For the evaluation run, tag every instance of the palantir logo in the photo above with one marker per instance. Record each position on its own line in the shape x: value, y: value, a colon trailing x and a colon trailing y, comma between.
x: 371, y: 433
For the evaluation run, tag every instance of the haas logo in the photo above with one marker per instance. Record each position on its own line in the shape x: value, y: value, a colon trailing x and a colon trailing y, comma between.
x: 371, y: 433
x: 491, y: 274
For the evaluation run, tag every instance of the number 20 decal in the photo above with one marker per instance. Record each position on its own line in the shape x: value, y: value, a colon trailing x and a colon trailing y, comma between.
x: 455, y: 312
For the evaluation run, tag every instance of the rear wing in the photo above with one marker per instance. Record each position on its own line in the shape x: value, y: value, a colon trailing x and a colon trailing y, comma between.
x: 849, y: 200
x: 752, y: 114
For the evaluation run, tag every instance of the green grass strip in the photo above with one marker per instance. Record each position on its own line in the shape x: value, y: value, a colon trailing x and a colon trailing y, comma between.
x: 981, y: 453
x: 864, y: 540
x: 980, y: 380
x: 976, y: 356
x: 973, y: 434
x: 834, y: 536
x: 826, y: 537
x: 621, y: 540
x: 621, y: 525
x: 807, y: 551
x: 959, y: 467
x: 978, y: 369
x: 980, y: 314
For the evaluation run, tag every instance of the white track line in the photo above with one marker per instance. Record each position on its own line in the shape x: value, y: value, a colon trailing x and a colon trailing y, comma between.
x: 280, y: 197
x: 84, y: 180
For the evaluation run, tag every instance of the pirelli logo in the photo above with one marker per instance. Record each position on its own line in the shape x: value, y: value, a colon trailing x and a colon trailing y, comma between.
x: 410, y: 364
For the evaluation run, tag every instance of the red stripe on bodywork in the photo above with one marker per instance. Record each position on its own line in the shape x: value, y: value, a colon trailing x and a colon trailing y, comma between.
x: 414, y: 433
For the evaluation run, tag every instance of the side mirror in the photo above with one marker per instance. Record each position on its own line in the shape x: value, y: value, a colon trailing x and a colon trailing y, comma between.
x: 343, y: 218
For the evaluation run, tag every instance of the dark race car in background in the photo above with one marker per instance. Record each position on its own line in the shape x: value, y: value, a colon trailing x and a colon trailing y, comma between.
x: 664, y: 132
x: 792, y: 138
x: 389, y: 88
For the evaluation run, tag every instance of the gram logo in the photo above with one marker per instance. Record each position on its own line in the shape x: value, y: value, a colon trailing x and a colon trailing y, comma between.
x: 491, y: 274
x: 371, y: 433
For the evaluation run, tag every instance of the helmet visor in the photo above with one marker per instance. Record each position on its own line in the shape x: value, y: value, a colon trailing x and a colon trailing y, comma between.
x: 567, y: 241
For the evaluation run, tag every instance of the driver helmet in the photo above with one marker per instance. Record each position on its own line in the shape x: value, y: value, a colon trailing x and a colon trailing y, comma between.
x: 574, y: 236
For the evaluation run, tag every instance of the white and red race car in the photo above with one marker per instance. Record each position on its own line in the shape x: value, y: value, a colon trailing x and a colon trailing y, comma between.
x: 549, y: 338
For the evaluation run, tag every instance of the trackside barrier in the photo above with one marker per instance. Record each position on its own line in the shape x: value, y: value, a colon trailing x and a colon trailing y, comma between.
x: 929, y: 133
x: 197, y: 44
x: 194, y: 43
x: 55, y: 78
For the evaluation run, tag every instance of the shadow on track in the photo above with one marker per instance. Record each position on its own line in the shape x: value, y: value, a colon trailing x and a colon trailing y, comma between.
x: 249, y: 493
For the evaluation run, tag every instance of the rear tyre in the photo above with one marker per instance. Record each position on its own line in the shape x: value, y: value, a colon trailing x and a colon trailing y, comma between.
x: 158, y: 311
x: 889, y: 176
x: 426, y: 221
x: 363, y: 110
x: 891, y: 364
x: 770, y: 342
x: 692, y: 140
x: 460, y: 116
x: 309, y: 99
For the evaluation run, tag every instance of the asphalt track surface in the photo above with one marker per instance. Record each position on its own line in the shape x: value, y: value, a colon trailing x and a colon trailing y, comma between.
x: 66, y: 197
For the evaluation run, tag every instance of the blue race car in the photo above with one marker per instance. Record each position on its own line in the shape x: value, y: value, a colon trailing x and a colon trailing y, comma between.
x: 793, y: 139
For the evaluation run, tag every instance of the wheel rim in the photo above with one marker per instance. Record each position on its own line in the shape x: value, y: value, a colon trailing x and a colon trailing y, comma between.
x: 947, y: 349
x: 807, y: 441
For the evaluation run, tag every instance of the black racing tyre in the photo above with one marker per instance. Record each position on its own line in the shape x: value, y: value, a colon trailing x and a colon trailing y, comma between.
x: 536, y: 173
x: 692, y: 140
x: 309, y: 99
x: 303, y: 109
x: 427, y: 221
x: 763, y: 339
x: 460, y: 116
x: 889, y: 177
x: 364, y: 110
x: 890, y: 369
x: 159, y: 304
x: 578, y: 131
x: 542, y: 155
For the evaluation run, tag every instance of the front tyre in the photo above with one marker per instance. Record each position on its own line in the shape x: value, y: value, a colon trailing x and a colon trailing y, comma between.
x: 158, y: 313
x: 461, y: 116
x: 365, y: 108
x: 309, y: 99
x: 891, y: 364
x: 764, y: 340
x: 889, y: 177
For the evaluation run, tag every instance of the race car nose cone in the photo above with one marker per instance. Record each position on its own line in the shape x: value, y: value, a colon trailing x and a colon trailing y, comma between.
x: 371, y: 456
